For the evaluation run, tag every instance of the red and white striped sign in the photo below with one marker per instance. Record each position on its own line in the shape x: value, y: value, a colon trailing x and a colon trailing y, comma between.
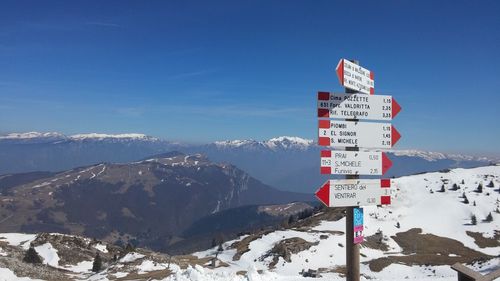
x: 355, y: 77
x: 347, y: 193
x: 357, y: 134
x: 340, y: 162
x: 357, y: 106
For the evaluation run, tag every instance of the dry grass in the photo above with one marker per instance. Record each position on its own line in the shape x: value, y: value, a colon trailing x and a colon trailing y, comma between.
x: 425, y: 249
x: 375, y: 242
x: 485, y: 242
x: 242, y: 246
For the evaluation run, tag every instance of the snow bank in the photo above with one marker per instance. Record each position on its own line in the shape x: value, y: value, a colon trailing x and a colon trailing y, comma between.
x: 7, y: 275
x: 48, y: 254
x: 148, y: 265
x: 18, y: 239
x: 130, y: 257
x: 101, y: 248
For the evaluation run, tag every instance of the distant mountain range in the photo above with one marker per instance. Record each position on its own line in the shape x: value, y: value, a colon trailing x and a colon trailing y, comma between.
x: 288, y: 163
x: 151, y: 202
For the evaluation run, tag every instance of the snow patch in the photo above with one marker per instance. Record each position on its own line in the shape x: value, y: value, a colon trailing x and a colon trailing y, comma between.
x: 18, y: 239
x: 101, y: 248
x: 130, y: 257
x: 81, y: 267
x: 148, y: 265
x: 48, y: 254
x: 7, y: 275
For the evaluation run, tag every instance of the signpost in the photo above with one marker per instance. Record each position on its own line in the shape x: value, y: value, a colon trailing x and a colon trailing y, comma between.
x: 357, y: 134
x: 357, y: 103
x: 358, y: 226
x: 340, y: 162
x: 358, y: 106
x: 355, y: 77
x: 355, y: 192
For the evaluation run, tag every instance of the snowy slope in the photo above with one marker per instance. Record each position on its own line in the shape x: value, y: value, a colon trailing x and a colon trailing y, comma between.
x: 416, y: 203
x: 414, y: 206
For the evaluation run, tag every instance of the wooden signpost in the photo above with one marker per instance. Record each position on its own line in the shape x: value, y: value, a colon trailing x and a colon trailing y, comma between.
x: 357, y: 103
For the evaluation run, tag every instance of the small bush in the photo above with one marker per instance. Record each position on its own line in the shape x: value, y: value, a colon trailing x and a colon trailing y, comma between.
x: 31, y: 256
x: 473, y: 219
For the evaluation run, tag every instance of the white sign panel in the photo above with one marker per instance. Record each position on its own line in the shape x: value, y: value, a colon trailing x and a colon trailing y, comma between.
x: 346, y: 193
x: 357, y: 106
x: 355, y: 77
x: 339, y: 162
x: 357, y: 134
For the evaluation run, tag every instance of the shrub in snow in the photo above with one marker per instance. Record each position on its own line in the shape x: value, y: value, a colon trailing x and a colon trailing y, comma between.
x: 473, y: 219
x: 491, y: 184
x: 97, y: 264
x: 129, y: 248
x: 489, y: 218
x: 31, y: 256
x: 479, y: 188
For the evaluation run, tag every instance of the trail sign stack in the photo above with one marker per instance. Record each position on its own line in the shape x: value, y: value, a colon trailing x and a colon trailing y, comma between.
x: 351, y: 135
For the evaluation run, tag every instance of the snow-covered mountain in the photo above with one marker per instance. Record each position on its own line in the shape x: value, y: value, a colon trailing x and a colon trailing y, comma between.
x: 288, y: 163
x: 273, y: 144
x: 36, y: 137
x: 427, y: 228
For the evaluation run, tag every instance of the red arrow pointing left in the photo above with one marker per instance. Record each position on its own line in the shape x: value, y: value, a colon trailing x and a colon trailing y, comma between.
x: 323, y: 193
x: 340, y: 71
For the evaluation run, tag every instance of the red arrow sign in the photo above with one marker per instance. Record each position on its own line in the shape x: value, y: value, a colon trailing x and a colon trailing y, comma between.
x: 340, y: 162
x: 386, y: 163
x: 396, y: 108
x: 357, y: 106
x: 395, y: 135
x: 357, y: 134
x: 345, y: 193
x: 355, y: 77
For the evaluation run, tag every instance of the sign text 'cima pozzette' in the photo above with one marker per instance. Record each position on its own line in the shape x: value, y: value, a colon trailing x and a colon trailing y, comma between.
x: 356, y: 192
x: 357, y: 106
x: 340, y: 162
x: 355, y: 77
x: 357, y: 134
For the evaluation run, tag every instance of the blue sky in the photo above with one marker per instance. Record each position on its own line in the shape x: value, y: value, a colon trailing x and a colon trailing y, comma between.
x: 200, y: 71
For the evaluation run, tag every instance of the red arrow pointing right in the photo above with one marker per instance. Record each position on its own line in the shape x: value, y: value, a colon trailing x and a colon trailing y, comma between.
x: 340, y: 71
x: 396, y: 108
x: 395, y: 136
x: 386, y: 163
x: 323, y: 194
